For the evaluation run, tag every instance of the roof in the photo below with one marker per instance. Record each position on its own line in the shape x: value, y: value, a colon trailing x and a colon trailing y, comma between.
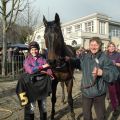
x: 20, y: 46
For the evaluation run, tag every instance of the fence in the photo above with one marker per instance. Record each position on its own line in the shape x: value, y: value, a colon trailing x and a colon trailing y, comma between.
x: 14, y: 66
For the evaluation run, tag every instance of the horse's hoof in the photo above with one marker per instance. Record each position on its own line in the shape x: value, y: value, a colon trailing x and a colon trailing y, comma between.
x: 52, y: 118
x: 73, y: 116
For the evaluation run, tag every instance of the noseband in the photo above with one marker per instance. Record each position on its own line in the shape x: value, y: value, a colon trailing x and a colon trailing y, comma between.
x: 58, y: 64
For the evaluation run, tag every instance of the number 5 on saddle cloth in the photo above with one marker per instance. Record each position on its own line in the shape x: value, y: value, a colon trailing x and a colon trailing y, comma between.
x: 32, y: 87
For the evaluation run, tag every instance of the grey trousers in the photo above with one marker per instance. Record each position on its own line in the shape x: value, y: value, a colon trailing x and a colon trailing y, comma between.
x: 99, y: 105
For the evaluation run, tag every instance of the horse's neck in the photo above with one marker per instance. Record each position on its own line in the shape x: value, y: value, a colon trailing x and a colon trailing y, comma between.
x: 69, y: 51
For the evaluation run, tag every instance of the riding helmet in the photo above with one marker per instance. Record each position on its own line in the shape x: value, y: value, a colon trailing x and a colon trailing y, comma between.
x: 34, y: 44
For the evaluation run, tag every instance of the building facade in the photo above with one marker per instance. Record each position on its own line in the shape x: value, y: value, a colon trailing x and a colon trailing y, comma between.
x: 79, y: 31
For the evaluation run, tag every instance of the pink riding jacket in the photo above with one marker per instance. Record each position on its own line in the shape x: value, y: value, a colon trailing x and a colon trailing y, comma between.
x: 32, y: 64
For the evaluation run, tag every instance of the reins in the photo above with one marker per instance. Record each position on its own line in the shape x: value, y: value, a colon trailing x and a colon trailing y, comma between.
x: 44, y: 72
x: 95, y: 79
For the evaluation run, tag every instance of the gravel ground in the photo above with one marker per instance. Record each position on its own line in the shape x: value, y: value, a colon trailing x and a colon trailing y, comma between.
x: 11, y: 110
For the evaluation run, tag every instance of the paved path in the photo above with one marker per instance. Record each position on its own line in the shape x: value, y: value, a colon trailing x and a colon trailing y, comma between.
x: 11, y: 110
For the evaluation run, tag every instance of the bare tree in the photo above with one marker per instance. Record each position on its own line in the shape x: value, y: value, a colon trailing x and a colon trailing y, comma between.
x: 9, y: 10
x: 30, y: 18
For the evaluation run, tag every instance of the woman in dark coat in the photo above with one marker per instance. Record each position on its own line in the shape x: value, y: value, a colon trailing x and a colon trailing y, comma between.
x: 97, y: 71
x: 114, y: 88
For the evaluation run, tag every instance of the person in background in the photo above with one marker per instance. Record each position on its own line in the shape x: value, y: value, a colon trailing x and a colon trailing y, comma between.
x: 32, y: 64
x: 9, y: 55
x: 114, y: 87
x: 97, y: 71
x: 78, y: 53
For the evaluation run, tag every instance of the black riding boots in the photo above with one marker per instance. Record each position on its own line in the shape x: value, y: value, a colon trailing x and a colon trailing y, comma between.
x: 42, y: 109
x: 29, y: 112
x: 43, y: 116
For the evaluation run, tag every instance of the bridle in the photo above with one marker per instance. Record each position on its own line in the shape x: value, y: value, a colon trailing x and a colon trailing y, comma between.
x: 58, y: 64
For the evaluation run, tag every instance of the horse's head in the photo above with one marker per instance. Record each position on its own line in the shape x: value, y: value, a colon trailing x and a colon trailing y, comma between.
x: 53, y: 38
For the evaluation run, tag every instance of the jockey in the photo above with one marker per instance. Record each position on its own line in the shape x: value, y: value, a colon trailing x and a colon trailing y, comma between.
x: 34, y: 63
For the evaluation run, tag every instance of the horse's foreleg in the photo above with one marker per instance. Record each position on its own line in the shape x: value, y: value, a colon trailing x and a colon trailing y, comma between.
x: 69, y: 85
x: 53, y: 99
x: 63, y: 92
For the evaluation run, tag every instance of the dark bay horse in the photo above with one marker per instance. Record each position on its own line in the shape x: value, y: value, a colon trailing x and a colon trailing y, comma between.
x: 57, y: 50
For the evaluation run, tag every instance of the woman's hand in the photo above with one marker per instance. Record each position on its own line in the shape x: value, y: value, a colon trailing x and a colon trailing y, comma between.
x: 94, y: 72
x: 44, y: 66
x: 117, y: 64
x: 100, y: 72
x: 97, y: 72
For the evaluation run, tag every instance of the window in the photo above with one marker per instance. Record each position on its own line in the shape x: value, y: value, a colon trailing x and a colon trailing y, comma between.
x: 74, y: 42
x: 89, y: 26
x: 78, y: 27
x: 115, y: 32
x: 69, y: 29
x: 38, y: 37
x: 102, y: 27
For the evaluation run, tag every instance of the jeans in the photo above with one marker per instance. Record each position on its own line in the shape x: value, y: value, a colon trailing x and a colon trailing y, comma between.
x: 29, y: 110
x: 99, y: 105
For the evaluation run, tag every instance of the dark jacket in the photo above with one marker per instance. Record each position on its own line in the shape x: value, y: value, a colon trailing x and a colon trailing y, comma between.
x: 31, y: 87
x: 115, y: 57
x: 86, y: 63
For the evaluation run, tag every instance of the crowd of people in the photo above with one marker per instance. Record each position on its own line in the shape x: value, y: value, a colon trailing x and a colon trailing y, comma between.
x: 100, y: 76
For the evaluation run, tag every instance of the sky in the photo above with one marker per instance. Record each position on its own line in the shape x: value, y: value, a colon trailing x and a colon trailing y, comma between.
x: 72, y: 9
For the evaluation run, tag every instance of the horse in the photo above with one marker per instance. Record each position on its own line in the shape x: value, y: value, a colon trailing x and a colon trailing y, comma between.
x: 62, y: 69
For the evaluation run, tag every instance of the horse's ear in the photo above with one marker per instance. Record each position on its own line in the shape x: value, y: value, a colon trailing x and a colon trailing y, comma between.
x: 57, y: 19
x: 44, y: 20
